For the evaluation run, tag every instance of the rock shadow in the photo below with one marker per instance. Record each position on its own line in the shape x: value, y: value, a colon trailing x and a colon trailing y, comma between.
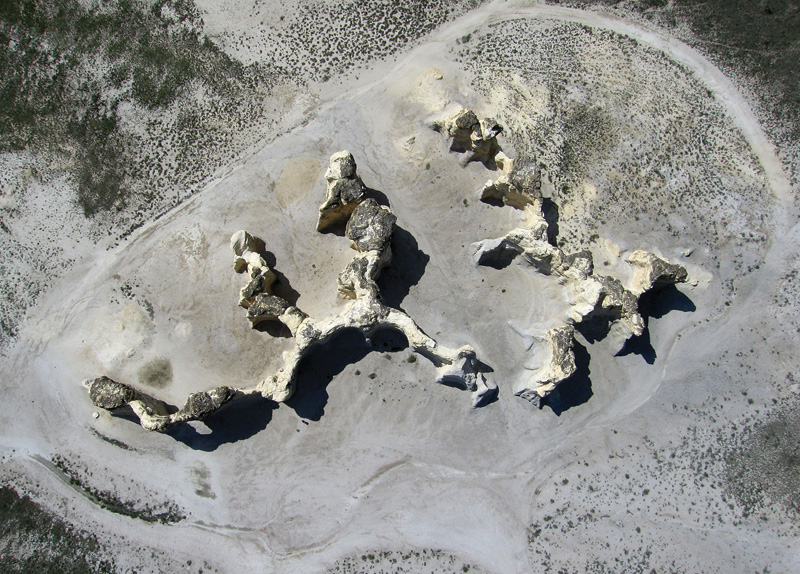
x: 551, y: 215
x: 318, y: 368
x: 658, y: 303
x: 577, y: 389
x: 283, y: 289
x: 594, y: 329
x: 380, y: 197
x: 655, y: 305
x: 239, y: 420
x: 640, y: 345
x: 493, y: 201
x: 406, y: 269
x: 500, y: 257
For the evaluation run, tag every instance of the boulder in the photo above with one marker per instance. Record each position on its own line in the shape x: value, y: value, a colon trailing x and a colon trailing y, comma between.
x: 370, y: 227
x: 109, y: 394
x: 200, y: 405
x: 342, y: 165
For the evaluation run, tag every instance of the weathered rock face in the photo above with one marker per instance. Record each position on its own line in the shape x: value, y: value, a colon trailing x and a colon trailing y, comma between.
x: 460, y: 125
x: 246, y: 250
x: 359, y: 277
x: 619, y: 302
x: 342, y: 165
x: 589, y: 295
x: 523, y: 241
x: 519, y: 188
x: 559, y: 366
x: 242, y: 241
x: 476, y: 139
x: 651, y: 272
x: 257, y: 295
x: 200, y: 405
x: 261, y: 281
x: 345, y: 192
x: 109, y: 394
x: 266, y: 308
x: 370, y: 227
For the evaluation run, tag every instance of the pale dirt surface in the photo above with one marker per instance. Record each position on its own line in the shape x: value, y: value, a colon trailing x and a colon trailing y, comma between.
x: 389, y: 473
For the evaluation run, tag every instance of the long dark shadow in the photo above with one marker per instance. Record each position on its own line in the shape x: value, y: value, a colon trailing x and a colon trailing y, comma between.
x: 407, y: 268
x: 575, y: 390
x: 240, y: 420
x: 317, y: 369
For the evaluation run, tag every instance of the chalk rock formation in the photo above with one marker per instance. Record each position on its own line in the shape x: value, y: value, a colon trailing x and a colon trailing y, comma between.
x: 256, y: 296
x: 109, y: 394
x: 369, y: 229
x: 345, y: 191
x: 476, y: 139
x: 651, y: 272
x: 530, y: 243
x: 246, y: 250
x: 519, y: 188
x: 261, y: 280
x: 559, y: 366
x: 619, y: 303
x: 590, y: 296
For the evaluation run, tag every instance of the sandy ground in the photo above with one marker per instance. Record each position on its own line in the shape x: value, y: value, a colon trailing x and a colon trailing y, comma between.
x: 371, y: 457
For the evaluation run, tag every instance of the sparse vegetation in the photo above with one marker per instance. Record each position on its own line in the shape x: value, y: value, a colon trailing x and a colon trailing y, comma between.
x: 68, y: 68
x: 763, y: 465
x: 429, y: 560
x: 618, y: 152
x: 33, y: 539
x: 151, y: 511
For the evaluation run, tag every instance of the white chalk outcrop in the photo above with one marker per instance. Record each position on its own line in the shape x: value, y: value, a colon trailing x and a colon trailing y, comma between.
x: 590, y: 296
x: 651, y: 272
x: 345, y: 191
x: 475, y: 139
x: 558, y: 367
x: 154, y: 414
x: 369, y: 229
x: 256, y: 296
x: 518, y: 188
